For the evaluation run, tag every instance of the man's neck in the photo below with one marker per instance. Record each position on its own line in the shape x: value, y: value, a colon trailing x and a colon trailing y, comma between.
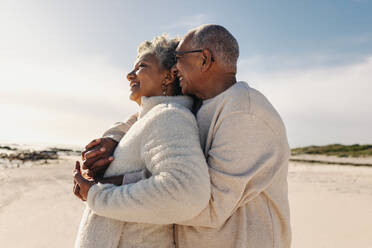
x: 218, y: 85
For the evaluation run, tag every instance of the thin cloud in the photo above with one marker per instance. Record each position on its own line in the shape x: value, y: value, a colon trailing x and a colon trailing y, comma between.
x: 362, y: 39
x: 188, y: 22
x: 278, y: 63
x: 360, y: 1
x: 71, y: 102
x: 320, y: 105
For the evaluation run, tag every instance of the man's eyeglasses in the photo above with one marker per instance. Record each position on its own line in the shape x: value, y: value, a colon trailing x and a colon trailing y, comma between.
x: 179, y: 54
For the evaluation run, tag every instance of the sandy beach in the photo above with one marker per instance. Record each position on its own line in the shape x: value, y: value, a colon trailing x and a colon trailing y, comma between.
x: 331, y: 205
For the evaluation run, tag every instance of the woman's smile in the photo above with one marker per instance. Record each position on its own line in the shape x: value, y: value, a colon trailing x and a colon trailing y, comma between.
x: 134, y: 86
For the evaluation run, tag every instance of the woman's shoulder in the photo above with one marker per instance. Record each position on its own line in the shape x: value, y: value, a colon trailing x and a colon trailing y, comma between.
x: 169, y: 123
x: 171, y: 110
x: 170, y: 114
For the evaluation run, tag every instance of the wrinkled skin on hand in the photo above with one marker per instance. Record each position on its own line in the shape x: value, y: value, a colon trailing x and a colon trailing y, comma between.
x: 81, y: 185
x: 97, y: 156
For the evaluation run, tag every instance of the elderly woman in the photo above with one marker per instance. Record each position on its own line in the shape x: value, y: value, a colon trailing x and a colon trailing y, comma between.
x: 164, y: 141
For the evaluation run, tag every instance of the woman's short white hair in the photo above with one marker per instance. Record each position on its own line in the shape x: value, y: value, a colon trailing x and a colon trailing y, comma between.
x: 222, y: 43
x: 162, y: 47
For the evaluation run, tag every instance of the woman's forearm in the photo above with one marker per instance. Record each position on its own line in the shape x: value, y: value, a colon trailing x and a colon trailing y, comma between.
x: 179, y: 188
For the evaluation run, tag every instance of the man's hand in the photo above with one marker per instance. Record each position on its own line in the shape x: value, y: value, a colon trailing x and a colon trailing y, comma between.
x: 81, y: 185
x: 97, y: 156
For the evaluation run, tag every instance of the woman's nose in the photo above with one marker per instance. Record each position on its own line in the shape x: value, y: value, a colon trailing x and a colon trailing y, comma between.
x: 131, y: 75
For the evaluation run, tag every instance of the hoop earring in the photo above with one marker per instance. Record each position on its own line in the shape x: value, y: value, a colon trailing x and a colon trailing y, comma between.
x: 164, y: 89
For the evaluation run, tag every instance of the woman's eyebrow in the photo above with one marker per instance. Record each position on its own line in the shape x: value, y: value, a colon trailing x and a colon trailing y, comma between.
x: 141, y: 61
x: 137, y: 63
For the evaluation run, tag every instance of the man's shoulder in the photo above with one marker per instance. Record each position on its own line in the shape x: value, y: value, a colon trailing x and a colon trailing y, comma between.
x: 237, y: 97
x: 241, y: 98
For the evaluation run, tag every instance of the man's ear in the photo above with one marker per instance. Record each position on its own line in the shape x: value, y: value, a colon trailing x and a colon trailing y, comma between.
x: 207, y: 60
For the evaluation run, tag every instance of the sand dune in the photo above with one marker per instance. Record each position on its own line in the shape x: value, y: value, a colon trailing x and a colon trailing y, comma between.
x: 331, y: 206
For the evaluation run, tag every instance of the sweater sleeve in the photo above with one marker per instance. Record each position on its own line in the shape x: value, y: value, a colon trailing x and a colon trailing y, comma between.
x: 179, y: 186
x: 245, y: 155
x: 135, y: 176
x: 119, y: 129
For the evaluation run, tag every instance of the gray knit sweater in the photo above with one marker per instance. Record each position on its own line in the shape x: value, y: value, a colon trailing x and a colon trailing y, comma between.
x: 164, y: 141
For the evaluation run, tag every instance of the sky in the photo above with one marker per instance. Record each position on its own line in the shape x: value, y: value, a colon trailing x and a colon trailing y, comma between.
x: 63, y: 63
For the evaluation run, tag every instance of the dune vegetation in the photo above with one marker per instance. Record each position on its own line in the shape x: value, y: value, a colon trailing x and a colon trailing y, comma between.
x: 338, y: 150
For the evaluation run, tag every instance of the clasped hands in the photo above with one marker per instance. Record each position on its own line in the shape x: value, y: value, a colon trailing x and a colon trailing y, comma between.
x: 97, y: 156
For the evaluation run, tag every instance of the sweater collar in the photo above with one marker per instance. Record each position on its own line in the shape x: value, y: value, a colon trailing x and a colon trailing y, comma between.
x: 223, y: 93
x: 147, y: 103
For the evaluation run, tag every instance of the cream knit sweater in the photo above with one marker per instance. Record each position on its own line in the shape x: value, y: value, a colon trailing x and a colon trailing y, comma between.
x: 164, y: 141
x: 245, y: 144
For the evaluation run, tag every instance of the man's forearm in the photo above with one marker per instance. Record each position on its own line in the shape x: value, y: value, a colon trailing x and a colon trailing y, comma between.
x: 127, y: 178
x: 116, y: 180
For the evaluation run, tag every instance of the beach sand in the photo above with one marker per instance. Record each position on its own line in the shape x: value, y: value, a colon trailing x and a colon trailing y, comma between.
x: 331, y: 206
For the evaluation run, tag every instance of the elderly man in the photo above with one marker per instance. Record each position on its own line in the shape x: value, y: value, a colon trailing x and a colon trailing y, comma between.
x: 244, y: 142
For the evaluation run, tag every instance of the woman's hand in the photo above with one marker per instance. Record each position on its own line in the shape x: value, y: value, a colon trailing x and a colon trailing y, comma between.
x: 81, y: 185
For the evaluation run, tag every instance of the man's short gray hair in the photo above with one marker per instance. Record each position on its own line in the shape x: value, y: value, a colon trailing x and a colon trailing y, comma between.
x: 220, y: 41
x: 163, y: 49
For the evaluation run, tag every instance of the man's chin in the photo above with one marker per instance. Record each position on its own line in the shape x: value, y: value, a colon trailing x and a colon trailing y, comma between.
x: 184, y: 90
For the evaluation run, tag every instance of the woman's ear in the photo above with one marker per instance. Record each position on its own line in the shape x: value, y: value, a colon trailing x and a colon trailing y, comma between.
x: 170, y: 76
